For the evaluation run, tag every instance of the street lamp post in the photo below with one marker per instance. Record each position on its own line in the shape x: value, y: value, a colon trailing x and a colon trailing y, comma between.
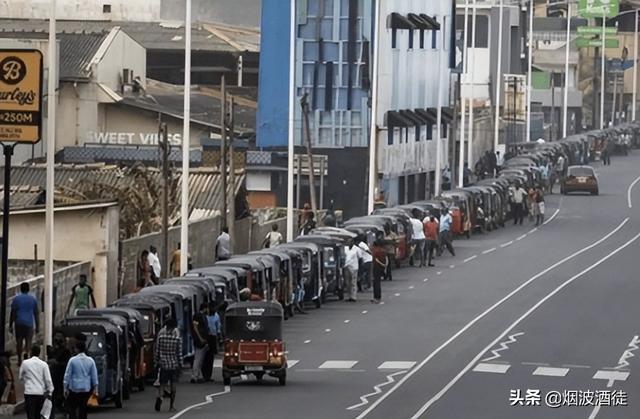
x: 292, y: 95
x: 635, y: 68
x: 473, y: 82
x: 565, y: 105
x: 184, y: 210
x: 529, y: 73
x: 498, y: 82
x: 602, y: 57
x: 462, y: 97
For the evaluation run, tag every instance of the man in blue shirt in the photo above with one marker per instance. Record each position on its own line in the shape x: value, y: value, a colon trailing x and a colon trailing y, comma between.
x: 445, y: 232
x: 24, y: 315
x: 80, y: 380
x: 213, y: 321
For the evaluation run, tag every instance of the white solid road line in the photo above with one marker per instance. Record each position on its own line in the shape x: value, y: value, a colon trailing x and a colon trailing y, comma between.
x: 377, y: 389
x: 209, y: 400
x: 533, y: 230
x: 486, y: 252
x: 337, y: 365
x: 552, y: 217
x: 551, y: 371
x: 629, y: 192
x: 481, y: 316
x: 492, y: 368
x: 446, y: 388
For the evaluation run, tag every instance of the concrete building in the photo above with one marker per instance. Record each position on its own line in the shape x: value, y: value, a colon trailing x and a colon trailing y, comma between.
x: 84, y: 232
x: 235, y: 12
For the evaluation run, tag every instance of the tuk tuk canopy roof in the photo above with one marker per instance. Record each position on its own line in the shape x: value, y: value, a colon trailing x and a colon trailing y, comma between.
x: 255, y: 309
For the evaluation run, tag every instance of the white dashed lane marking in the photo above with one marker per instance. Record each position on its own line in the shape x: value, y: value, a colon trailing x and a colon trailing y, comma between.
x: 486, y: 252
x: 507, y: 244
x: 469, y: 259
x: 292, y: 363
x: 307, y: 341
x: 492, y: 368
x: 396, y: 365
x: 337, y: 365
x: 551, y: 371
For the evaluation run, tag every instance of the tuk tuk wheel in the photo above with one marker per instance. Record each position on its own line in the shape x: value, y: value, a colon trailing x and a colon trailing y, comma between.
x: 259, y: 376
x: 118, y: 397
x: 283, y: 379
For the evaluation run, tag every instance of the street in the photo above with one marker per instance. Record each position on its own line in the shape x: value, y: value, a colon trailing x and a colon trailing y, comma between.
x: 548, y: 309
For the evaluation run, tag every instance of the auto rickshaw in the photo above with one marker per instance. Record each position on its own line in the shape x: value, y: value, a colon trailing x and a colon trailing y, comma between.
x: 460, y: 207
x: 372, y: 232
x: 335, y: 232
x: 312, y: 271
x: 253, y: 343
x: 226, y: 278
x: 393, y: 224
x: 286, y: 278
x: 256, y: 279
x: 333, y: 258
x: 154, y: 311
x: 106, y: 344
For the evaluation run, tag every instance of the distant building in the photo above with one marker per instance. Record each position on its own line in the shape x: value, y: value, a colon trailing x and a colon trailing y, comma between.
x: 237, y: 12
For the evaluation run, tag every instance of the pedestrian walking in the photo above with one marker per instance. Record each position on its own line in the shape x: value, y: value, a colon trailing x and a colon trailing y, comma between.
x: 154, y: 262
x: 540, y: 205
x: 223, y: 245
x: 531, y: 203
x: 144, y: 271
x: 518, y: 195
x: 176, y: 262
x: 390, y: 246
x: 200, y: 330
x: 431, y: 229
x: 380, y: 262
x: 36, y: 378
x: 214, y: 329
x: 80, y: 381
x: 418, y: 239
x: 24, y: 316
x: 365, y: 258
x: 560, y: 168
x: 6, y: 378
x: 167, y: 355
x: 309, y: 223
x: 329, y: 219
x: 445, y: 232
x: 58, y: 357
x: 273, y: 238
x: 351, y: 271
x: 81, y: 295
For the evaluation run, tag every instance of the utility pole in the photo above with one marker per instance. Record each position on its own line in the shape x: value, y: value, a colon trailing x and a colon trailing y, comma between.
x: 165, y: 149
x: 553, y: 107
x: 231, y: 220
x: 304, y: 102
x: 223, y: 152
x: 454, y: 126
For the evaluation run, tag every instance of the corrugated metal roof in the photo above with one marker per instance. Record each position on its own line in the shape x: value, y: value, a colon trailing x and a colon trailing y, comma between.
x: 79, y: 180
x: 152, y: 35
x: 23, y: 196
x: 124, y: 154
x: 76, y: 49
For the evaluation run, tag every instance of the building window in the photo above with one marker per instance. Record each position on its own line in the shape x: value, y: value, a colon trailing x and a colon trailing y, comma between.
x: 421, y: 38
x: 417, y: 133
x: 394, y: 38
x: 429, y: 131
x: 106, y: 8
x: 434, y: 38
x: 390, y: 132
x: 410, y: 39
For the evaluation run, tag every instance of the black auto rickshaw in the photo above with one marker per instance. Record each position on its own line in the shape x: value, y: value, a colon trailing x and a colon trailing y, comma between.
x: 106, y: 344
x: 312, y: 272
x: 253, y: 343
x: 286, y: 277
x: 255, y: 273
x: 332, y: 249
x: 227, y: 279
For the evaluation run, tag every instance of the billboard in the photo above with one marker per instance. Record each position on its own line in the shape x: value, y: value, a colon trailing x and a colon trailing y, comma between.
x: 598, y: 8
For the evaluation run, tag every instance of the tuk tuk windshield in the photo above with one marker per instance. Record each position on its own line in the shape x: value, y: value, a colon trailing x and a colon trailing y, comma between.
x: 253, y: 328
x: 96, y: 344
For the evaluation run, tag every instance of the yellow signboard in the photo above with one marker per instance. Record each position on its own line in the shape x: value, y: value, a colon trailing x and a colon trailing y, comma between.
x: 20, y: 96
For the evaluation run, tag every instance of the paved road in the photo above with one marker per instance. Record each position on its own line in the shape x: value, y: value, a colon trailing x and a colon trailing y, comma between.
x: 548, y: 309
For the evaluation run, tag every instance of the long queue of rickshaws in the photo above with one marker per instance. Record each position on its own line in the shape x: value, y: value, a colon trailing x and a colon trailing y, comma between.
x: 307, y: 271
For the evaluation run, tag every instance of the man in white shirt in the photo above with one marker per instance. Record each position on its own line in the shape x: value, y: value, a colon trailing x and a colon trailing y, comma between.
x: 273, y: 238
x: 366, y: 259
x: 154, y: 262
x: 350, y: 271
x: 519, y: 195
x: 223, y: 245
x: 418, y: 239
x: 34, y: 374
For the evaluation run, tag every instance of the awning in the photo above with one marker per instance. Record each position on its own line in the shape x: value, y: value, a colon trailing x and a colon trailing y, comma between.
x: 411, y: 116
x: 434, y: 23
x: 447, y: 114
x: 433, y: 112
x: 397, y: 21
x: 396, y: 119
x: 424, y: 114
x: 419, y: 22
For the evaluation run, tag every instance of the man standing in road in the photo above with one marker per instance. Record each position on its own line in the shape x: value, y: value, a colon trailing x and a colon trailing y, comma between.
x: 80, y: 379
x: 223, y: 245
x: 418, y: 239
x: 34, y: 374
x: 445, y: 232
x: 351, y: 271
x: 519, y: 196
x: 200, y: 331
x: 154, y: 262
x: 380, y: 261
x: 366, y: 259
x: 214, y: 328
x: 81, y: 295
x: 24, y: 315
x: 499, y: 162
x: 167, y: 355
x: 431, y: 235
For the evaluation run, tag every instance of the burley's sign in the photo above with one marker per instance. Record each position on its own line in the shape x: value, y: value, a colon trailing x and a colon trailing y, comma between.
x: 20, y: 96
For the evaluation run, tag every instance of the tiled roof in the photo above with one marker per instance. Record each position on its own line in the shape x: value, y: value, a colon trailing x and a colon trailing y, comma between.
x: 23, y: 196
x: 153, y: 35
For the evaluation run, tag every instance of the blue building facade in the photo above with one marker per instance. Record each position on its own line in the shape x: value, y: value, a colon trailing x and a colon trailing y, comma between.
x: 333, y: 55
